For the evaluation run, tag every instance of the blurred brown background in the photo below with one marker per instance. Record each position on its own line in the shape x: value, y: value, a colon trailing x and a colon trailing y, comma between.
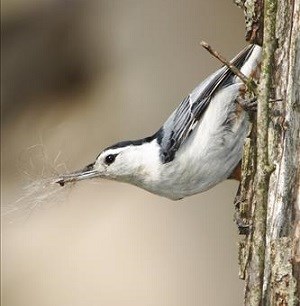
x: 78, y: 76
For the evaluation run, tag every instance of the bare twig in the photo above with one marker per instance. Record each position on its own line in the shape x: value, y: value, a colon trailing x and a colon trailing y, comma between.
x: 251, y: 85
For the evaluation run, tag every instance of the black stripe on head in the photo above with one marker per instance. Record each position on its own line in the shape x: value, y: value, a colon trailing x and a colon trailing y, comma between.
x: 137, y: 142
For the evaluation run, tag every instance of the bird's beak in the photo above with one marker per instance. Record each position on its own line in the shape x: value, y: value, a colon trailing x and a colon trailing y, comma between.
x: 86, y: 173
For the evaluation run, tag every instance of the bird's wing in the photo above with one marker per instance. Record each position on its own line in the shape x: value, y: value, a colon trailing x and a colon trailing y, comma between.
x: 184, y: 119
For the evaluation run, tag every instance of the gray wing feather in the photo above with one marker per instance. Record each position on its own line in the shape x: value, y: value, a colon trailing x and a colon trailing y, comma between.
x: 184, y: 119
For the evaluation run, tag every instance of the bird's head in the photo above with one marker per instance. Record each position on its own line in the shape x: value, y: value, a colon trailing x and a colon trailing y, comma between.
x: 126, y: 161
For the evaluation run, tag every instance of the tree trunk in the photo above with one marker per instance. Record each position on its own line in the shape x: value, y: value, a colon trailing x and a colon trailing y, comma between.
x: 268, y: 200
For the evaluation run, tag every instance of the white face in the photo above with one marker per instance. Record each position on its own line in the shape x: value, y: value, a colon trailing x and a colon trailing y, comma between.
x: 131, y: 164
x: 110, y: 163
x: 118, y: 164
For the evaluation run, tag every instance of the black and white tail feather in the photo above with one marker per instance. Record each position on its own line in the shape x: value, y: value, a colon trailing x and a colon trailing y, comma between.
x: 198, y: 146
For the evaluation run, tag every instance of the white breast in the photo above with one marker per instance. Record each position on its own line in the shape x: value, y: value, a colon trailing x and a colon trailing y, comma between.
x: 209, y: 155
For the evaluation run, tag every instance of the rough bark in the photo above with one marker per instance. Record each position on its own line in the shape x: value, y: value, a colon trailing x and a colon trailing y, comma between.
x: 268, y: 202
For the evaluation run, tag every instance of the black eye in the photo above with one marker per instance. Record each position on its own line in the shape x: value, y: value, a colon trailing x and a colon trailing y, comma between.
x: 109, y: 159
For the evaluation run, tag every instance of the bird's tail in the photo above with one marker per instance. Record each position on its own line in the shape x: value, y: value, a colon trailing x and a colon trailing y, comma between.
x: 248, y: 60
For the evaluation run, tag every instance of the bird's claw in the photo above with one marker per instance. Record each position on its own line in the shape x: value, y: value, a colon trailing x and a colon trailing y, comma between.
x: 248, y: 104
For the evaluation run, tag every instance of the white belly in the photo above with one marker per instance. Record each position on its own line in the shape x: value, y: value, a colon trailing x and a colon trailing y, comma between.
x: 209, y: 155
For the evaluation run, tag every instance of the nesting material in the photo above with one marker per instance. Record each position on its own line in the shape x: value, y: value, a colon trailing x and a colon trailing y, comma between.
x: 43, y: 174
x: 37, y: 194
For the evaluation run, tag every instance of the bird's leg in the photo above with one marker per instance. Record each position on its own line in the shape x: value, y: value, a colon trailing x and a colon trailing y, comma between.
x: 248, y: 104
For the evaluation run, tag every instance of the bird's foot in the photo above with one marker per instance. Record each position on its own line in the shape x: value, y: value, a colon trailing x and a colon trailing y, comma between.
x: 247, y: 104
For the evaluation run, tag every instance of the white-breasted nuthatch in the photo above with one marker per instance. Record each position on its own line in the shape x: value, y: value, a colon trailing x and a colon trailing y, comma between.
x: 198, y: 146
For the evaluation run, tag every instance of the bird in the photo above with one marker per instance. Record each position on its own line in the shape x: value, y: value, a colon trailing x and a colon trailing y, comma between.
x: 198, y: 146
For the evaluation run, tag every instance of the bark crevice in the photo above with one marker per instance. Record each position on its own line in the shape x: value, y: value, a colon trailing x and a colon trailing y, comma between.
x: 268, y: 203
